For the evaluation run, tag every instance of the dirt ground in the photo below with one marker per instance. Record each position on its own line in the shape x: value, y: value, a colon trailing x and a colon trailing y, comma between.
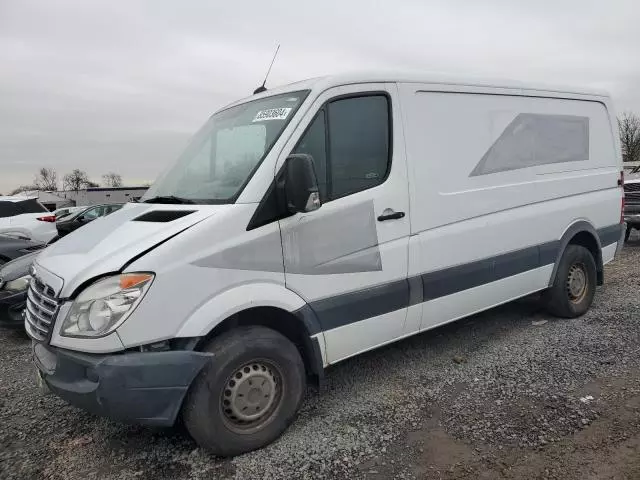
x: 608, y: 448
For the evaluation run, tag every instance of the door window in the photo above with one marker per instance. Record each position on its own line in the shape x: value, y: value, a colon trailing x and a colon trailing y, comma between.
x: 7, y: 209
x: 349, y: 141
x: 30, y: 206
x: 92, y: 214
x: 10, y: 209
x: 112, y: 208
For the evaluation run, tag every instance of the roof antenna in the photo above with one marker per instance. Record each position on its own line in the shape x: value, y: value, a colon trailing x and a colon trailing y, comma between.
x: 262, y: 87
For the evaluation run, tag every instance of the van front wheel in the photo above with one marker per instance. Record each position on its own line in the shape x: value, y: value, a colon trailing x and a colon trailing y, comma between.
x: 573, y: 288
x: 249, y: 392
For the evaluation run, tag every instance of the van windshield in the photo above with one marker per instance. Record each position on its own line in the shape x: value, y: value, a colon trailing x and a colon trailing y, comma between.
x: 223, y: 155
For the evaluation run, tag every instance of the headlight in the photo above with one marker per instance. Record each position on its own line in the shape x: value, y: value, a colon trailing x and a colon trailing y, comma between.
x: 19, y: 284
x: 104, y: 305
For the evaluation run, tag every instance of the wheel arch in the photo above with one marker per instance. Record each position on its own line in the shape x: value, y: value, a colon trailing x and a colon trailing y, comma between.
x: 295, y: 326
x: 269, y: 305
x: 585, y: 234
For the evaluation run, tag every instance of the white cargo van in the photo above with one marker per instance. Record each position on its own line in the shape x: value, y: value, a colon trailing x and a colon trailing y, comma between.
x: 313, y: 222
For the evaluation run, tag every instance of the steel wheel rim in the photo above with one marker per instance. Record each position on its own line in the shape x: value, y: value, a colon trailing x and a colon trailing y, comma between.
x: 577, y: 282
x: 251, y: 396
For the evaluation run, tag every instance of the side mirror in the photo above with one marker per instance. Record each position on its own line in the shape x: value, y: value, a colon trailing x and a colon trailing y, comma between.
x: 301, y: 184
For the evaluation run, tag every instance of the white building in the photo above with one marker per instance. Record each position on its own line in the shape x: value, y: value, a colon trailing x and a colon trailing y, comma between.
x: 86, y: 196
x: 50, y: 200
x: 99, y: 195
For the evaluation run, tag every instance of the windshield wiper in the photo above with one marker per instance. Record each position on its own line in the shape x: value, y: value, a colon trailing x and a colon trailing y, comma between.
x: 169, y: 199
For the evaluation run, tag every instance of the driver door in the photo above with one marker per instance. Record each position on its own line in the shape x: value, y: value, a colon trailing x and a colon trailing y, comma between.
x: 349, y: 258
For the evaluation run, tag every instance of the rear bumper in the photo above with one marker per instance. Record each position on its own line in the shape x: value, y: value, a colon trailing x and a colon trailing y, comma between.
x: 145, y: 388
x: 632, y: 219
x: 632, y: 213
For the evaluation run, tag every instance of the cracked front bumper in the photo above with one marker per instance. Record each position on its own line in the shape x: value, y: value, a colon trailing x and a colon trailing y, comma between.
x: 138, y: 387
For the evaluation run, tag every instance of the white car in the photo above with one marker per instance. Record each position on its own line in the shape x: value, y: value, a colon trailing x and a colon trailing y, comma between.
x: 26, y: 217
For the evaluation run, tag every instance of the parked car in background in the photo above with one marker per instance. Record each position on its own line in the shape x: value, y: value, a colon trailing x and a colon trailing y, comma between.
x: 14, y: 282
x: 63, y: 212
x: 73, y: 221
x: 13, y: 247
x: 632, y: 201
x: 26, y: 217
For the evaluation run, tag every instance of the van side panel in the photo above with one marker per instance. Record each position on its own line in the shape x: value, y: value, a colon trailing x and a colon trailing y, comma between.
x: 495, y: 181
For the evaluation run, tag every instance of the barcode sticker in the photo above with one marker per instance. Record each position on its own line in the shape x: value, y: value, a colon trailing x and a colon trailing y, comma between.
x: 272, y: 114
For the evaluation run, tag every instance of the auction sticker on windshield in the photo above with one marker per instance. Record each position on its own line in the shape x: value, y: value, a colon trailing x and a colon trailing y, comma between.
x: 272, y: 114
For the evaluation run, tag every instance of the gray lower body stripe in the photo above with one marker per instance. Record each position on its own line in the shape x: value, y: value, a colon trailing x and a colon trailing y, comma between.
x: 609, y: 235
x: 353, y: 307
x: 463, y: 277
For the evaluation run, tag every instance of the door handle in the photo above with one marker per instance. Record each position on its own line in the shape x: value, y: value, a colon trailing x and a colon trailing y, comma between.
x: 391, y: 216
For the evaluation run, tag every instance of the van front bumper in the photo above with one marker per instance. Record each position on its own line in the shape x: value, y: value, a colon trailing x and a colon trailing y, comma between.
x: 146, y: 388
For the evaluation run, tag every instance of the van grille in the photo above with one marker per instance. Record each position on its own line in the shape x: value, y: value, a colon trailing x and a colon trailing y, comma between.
x: 41, y: 311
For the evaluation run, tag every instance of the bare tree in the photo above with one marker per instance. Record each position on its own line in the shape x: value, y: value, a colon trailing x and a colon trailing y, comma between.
x: 75, y: 180
x: 112, y: 179
x: 46, y: 179
x: 629, y: 130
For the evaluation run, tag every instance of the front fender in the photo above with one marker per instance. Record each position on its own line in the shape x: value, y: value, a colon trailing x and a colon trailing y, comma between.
x: 237, y: 299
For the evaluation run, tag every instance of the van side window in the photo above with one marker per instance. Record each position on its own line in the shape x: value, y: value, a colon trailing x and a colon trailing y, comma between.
x: 533, y: 139
x: 358, y: 143
x: 356, y: 132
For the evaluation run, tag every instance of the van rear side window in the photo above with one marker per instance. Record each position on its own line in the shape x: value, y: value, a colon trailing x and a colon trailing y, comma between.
x: 349, y: 142
x: 534, y: 139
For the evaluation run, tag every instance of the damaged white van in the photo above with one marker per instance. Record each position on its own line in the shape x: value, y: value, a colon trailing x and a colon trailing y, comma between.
x: 316, y: 221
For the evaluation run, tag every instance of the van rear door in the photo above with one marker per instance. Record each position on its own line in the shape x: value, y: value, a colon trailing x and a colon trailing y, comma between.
x: 348, y: 259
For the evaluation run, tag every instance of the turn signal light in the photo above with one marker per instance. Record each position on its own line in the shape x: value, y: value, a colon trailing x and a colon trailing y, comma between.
x: 129, y: 280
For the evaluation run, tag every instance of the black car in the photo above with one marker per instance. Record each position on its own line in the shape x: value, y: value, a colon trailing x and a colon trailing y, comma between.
x: 13, y: 247
x: 69, y: 223
x: 14, y: 282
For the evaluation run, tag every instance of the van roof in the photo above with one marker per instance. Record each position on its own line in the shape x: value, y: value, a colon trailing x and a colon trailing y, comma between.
x: 323, y: 83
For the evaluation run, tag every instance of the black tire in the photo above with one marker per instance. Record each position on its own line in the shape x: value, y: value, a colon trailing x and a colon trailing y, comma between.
x: 627, y: 233
x: 240, y: 356
x: 564, y: 298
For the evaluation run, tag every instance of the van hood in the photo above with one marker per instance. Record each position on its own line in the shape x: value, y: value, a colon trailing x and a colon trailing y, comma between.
x: 107, y: 244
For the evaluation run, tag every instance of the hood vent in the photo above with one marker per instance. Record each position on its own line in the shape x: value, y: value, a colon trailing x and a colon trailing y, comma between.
x: 162, y: 216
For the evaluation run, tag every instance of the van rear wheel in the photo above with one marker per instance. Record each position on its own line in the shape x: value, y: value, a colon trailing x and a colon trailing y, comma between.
x: 574, y: 286
x: 248, y: 393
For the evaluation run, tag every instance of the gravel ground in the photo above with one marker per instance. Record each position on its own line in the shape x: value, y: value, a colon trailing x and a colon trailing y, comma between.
x: 511, y: 393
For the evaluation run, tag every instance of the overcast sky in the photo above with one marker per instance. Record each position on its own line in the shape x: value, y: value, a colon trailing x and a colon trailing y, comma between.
x: 121, y: 85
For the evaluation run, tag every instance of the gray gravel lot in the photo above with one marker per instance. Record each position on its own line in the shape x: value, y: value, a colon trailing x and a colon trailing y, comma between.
x: 511, y: 393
